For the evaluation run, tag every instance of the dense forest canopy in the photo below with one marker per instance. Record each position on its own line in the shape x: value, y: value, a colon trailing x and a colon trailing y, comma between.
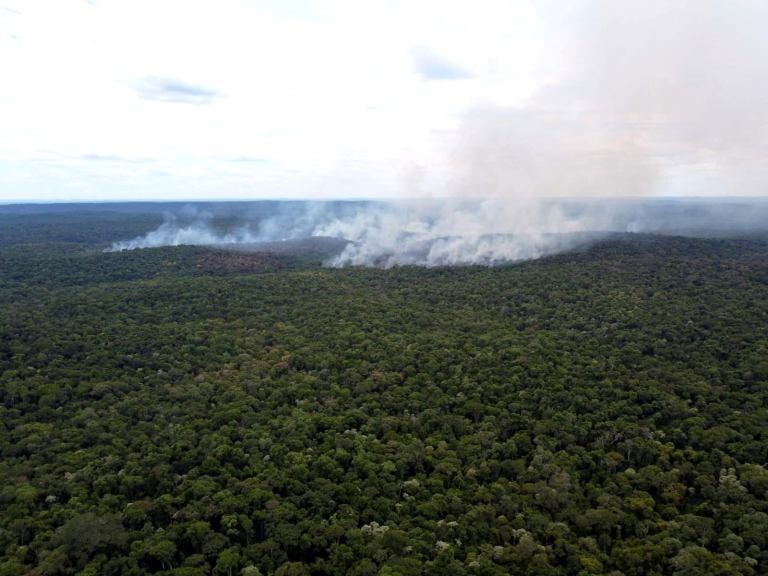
x: 190, y: 411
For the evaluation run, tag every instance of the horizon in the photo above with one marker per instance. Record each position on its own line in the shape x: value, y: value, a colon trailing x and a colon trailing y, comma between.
x: 707, y: 198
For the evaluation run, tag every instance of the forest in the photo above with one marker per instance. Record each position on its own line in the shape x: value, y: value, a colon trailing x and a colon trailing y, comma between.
x: 193, y: 411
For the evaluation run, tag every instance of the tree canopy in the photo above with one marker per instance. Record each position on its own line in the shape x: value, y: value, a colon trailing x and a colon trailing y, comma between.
x: 176, y: 411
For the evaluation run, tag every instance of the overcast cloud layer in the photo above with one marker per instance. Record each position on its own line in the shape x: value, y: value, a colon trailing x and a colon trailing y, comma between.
x: 506, y: 100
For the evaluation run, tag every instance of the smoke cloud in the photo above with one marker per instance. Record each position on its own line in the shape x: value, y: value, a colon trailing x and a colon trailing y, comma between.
x: 636, y: 98
x: 659, y: 88
x: 450, y: 231
x: 426, y: 232
x: 199, y: 233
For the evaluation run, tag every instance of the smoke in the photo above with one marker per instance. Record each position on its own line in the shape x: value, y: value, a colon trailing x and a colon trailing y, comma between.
x: 636, y: 98
x: 675, y: 85
x: 240, y: 223
x: 171, y: 233
x: 451, y: 232
x: 423, y: 233
x: 189, y: 227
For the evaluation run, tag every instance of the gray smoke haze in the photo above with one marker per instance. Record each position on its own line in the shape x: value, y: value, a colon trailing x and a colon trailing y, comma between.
x: 199, y: 233
x: 451, y: 232
x: 641, y: 98
x: 426, y: 232
x: 666, y: 86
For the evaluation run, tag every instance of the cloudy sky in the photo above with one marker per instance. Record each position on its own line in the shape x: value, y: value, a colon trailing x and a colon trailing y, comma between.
x: 159, y: 99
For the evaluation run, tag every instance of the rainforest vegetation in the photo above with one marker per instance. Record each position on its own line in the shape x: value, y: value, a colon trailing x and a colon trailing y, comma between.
x: 190, y: 411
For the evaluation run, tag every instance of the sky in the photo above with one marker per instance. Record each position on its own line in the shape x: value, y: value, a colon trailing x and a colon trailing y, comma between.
x: 235, y: 99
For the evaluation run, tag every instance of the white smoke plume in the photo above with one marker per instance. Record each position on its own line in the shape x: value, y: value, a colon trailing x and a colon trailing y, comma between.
x: 638, y: 97
x: 422, y: 233
x: 450, y: 232
x: 169, y: 233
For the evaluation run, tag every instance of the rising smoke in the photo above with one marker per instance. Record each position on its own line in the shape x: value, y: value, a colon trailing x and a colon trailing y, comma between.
x: 449, y: 232
x: 635, y: 94
x: 427, y: 232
